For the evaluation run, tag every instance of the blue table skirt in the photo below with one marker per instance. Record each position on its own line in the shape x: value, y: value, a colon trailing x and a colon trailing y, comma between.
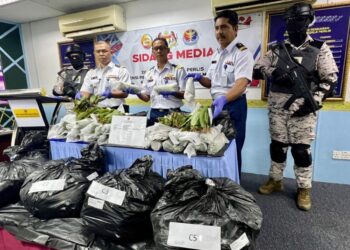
x: 120, y: 157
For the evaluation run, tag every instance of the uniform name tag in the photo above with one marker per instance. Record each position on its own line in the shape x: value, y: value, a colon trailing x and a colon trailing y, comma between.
x: 48, y: 185
x: 194, y: 236
x: 106, y: 193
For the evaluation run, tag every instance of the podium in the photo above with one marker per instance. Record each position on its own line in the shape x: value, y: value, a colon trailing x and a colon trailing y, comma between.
x: 28, y: 111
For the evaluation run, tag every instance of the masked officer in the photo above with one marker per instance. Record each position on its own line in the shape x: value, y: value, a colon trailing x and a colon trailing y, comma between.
x: 294, y: 126
x: 71, y: 78
x: 104, y: 80
x: 162, y: 102
x: 229, y: 74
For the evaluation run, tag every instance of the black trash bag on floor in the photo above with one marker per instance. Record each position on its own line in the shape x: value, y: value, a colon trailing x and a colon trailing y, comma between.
x: 13, y: 174
x: 33, y: 142
x: 63, y: 233
x: 228, y: 127
x: 190, y: 198
x: 72, y: 178
x: 13, y: 215
x: 126, y: 220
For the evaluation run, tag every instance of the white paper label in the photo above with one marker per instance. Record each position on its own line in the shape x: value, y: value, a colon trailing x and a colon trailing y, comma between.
x: 241, y: 242
x: 96, y: 203
x: 105, y: 193
x: 48, y: 185
x: 92, y: 176
x: 194, y: 236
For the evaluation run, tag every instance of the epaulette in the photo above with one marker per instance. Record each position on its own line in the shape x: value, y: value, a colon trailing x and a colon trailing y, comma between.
x: 118, y: 66
x: 177, y: 66
x: 316, y: 43
x: 240, y: 46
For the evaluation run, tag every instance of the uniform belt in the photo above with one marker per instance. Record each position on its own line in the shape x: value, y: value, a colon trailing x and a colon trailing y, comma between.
x: 164, y: 110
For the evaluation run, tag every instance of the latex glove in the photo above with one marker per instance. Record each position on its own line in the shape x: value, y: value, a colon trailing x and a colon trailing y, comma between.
x: 219, y: 104
x: 280, y: 76
x: 166, y: 94
x: 107, y: 93
x: 78, y: 96
x: 196, y: 76
x: 131, y: 91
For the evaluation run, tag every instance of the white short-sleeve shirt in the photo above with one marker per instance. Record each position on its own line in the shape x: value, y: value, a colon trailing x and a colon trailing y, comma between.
x: 168, y: 75
x: 228, y: 65
x: 99, y: 79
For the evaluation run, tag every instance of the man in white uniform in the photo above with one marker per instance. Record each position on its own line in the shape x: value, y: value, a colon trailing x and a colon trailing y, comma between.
x: 105, y: 78
x: 229, y: 74
x: 164, y: 73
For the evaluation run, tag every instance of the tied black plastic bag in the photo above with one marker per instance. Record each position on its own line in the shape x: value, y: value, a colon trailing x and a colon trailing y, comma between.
x: 127, y: 218
x: 228, y: 127
x: 13, y: 174
x: 190, y: 198
x: 58, y: 190
x: 33, y: 142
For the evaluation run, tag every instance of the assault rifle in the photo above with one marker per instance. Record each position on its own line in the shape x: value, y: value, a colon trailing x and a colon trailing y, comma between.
x: 300, y: 85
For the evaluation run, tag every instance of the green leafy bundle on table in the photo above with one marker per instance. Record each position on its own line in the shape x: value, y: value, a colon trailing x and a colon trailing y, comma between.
x: 198, y: 120
x: 88, y: 105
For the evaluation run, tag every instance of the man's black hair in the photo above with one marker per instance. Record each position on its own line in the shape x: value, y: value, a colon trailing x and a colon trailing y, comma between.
x: 230, y: 14
x: 161, y: 39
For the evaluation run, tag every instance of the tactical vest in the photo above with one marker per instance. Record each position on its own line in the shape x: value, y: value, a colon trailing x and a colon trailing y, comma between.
x: 308, y: 57
x: 73, y: 80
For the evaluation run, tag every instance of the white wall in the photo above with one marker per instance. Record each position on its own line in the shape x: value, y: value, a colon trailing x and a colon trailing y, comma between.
x: 40, y: 38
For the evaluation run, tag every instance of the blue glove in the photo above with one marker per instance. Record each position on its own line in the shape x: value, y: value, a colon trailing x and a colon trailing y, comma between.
x: 196, y: 76
x: 166, y: 94
x: 219, y: 104
x: 107, y: 93
x: 131, y: 91
x: 78, y: 96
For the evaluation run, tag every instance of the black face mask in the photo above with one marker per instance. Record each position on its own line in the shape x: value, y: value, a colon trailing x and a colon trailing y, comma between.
x: 296, y: 28
x: 77, y: 61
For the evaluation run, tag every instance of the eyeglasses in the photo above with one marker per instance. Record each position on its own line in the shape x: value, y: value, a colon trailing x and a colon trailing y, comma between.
x: 161, y: 48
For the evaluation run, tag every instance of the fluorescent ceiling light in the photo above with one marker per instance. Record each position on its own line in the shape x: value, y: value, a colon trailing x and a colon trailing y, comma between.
x: 5, y: 2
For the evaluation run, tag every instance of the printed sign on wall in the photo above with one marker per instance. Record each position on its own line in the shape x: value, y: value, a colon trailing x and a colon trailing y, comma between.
x: 192, y: 45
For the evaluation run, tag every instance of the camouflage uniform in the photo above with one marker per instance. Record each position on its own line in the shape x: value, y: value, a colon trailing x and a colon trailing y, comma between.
x: 291, y: 130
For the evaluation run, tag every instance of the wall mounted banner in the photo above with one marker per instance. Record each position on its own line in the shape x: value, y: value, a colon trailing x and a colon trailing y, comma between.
x: 191, y: 44
x: 332, y: 26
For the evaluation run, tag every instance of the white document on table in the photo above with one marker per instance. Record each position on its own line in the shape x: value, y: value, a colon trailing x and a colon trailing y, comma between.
x: 128, y: 131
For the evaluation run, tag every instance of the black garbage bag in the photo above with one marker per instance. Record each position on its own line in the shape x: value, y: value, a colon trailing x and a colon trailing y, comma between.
x: 190, y: 198
x: 13, y: 174
x: 32, y: 143
x: 228, y: 127
x: 13, y: 215
x: 63, y: 233
x: 126, y: 219
x: 58, y: 190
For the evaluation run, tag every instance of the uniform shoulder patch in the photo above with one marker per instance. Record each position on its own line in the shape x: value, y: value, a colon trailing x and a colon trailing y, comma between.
x: 241, y: 46
x: 177, y: 66
x: 316, y: 43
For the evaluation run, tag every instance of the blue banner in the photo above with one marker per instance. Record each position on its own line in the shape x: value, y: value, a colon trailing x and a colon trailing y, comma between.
x: 332, y: 26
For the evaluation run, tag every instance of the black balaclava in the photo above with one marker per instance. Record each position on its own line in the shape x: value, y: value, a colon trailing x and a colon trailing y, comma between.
x: 298, y: 18
x: 77, y: 61
x: 76, y: 56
